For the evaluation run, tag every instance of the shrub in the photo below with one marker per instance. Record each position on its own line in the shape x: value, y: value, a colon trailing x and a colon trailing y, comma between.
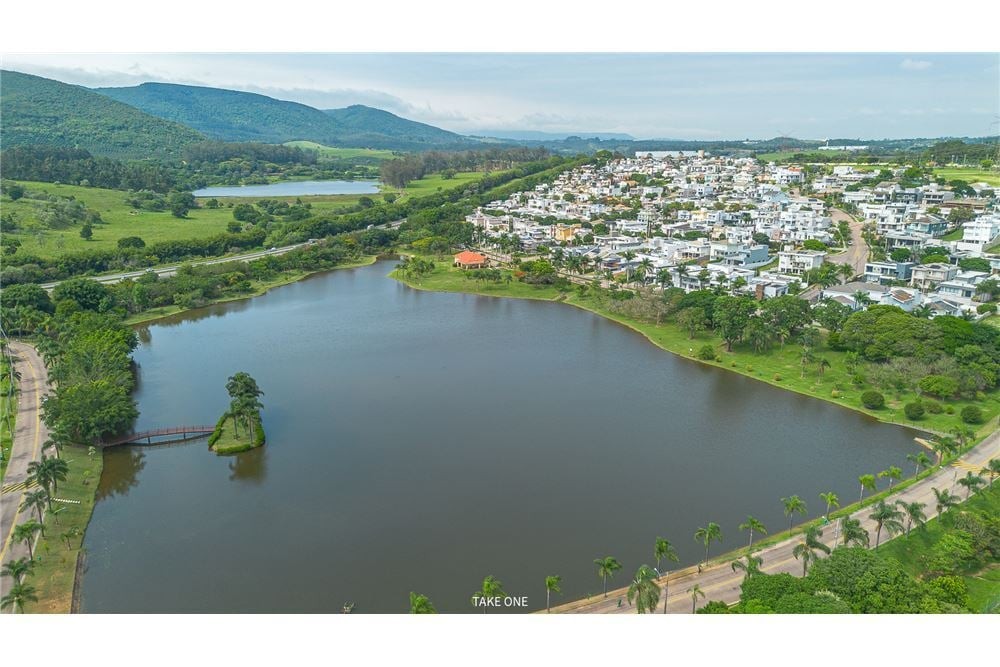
x: 914, y: 410
x: 971, y: 414
x: 949, y: 409
x: 941, y: 386
x: 777, y: 377
x: 873, y: 400
x: 986, y: 308
x: 933, y: 407
x: 834, y: 394
x: 706, y: 352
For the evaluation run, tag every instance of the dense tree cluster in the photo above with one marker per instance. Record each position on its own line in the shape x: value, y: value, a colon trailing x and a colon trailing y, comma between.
x: 75, y: 166
x: 400, y: 171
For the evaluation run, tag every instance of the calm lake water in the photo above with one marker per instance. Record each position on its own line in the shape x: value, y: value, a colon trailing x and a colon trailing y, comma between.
x: 292, y: 189
x: 419, y: 441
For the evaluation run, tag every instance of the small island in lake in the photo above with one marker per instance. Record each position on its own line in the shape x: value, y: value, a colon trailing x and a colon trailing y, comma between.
x: 240, y: 429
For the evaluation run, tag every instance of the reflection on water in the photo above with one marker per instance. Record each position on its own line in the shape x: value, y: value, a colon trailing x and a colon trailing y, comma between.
x: 419, y: 441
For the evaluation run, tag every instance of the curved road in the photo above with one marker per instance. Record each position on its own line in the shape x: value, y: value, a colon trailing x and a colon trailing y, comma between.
x: 856, y: 254
x: 719, y: 582
x: 29, y: 435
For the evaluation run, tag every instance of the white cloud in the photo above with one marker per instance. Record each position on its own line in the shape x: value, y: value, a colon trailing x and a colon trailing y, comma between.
x: 915, y: 65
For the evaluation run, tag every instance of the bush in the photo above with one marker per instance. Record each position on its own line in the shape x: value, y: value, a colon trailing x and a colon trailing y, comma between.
x: 873, y: 400
x: 971, y: 414
x: 914, y: 410
x: 986, y: 308
x: 941, y: 386
x: 777, y: 377
x: 933, y: 407
x: 706, y: 352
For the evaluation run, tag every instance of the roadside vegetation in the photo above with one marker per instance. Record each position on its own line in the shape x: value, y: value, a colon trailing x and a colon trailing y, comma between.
x: 8, y: 407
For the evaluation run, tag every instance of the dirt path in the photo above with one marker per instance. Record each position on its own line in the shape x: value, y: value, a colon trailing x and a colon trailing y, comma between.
x: 856, y: 254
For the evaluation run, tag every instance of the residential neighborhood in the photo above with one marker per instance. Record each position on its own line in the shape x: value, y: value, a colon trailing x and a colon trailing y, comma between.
x: 694, y: 220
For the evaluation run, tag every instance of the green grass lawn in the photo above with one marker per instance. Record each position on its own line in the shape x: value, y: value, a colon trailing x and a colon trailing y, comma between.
x: 345, y: 153
x: 969, y: 174
x: 954, y: 235
x: 55, y: 570
x: 779, y: 366
x: 984, y: 585
x: 430, y: 184
x: 228, y: 442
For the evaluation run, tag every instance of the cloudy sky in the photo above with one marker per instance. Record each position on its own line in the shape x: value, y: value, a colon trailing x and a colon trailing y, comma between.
x: 685, y: 96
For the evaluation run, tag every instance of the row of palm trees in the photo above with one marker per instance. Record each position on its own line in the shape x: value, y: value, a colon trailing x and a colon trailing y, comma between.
x: 46, y: 475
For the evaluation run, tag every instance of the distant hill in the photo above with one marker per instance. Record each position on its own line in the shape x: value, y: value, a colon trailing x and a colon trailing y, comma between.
x: 230, y: 115
x: 36, y: 110
x: 536, y: 135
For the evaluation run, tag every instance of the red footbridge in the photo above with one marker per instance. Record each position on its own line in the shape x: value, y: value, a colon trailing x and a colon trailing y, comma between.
x: 159, y: 436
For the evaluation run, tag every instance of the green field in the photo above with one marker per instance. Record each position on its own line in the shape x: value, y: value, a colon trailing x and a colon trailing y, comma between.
x: 121, y: 220
x: 779, y: 366
x: 428, y: 185
x: 344, y: 153
x: 56, y: 553
x: 969, y: 175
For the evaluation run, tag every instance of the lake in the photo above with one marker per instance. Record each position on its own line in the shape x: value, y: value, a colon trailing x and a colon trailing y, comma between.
x: 292, y: 189
x: 419, y: 441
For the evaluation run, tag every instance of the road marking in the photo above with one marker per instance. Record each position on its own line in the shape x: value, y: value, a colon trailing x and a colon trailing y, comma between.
x: 19, y: 486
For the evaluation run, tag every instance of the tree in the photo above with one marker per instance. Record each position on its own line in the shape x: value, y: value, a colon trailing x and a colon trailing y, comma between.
x: 731, y: 315
x: 919, y: 460
x: 86, y: 232
x: 606, y: 568
x: 944, y: 500
x: 873, y: 400
x: 421, y: 604
x: 852, y: 532
x: 48, y: 472
x: 17, y: 569
x: 750, y: 566
x: 867, y: 482
x: 802, y: 552
x: 644, y: 590
x: 696, y: 593
x: 551, y: 586
x: 180, y: 203
x: 891, y: 473
x: 750, y: 525
x: 831, y: 499
x: 758, y: 334
x: 131, y: 242
x: 491, y: 588
x: 693, y: 320
x: 888, y: 517
x: 708, y: 534
x: 793, y: 505
x: 914, y: 514
x: 25, y: 534
x: 992, y: 469
x: 664, y: 550
x: 36, y: 500
x: 16, y: 597
x: 971, y: 482
x: 943, y: 446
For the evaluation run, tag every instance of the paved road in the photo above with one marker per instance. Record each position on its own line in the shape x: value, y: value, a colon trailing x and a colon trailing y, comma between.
x: 856, y: 254
x: 29, y: 435
x: 718, y: 580
x: 167, y: 271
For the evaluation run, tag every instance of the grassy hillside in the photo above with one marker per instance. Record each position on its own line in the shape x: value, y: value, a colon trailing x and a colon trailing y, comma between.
x: 969, y: 175
x: 343, y: 153
x: 120, y: 219
x: 42, y: 111
x: 231, y: 115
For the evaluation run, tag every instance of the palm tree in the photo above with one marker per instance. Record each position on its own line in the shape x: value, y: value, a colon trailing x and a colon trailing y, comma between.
x: 696, y: 593
x: 16, y: 597
x: 992, y: 469
x: 867, y: 482
x: 421, y: 604
x: 892, y: 473
x: 831, y: 499
x: 944, y: 500
x: 48, y: 472
x: 606, y: 568
x: 752, y: 524
x: 943, y: 446
x: 750, y: 566
x: 36, y: 500
x: 914, y: 514
x: 919, y: 460
x: 551, y: 586
x: 813, y: 533
x: 805, y: 554
x: 491, y: 588
x: 628, y: 256
x: 25, y: 533
x: 853, y: 532
x: 888, y: 517
x: 793, y: 505
x: 665, y: 551
x: 971, y: 482
x: 708, y: 534
x: 644, y: 590
x: 17, y: 569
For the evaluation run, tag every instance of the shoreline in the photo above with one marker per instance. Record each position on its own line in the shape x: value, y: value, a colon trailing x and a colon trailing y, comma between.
x: 570, y: 300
